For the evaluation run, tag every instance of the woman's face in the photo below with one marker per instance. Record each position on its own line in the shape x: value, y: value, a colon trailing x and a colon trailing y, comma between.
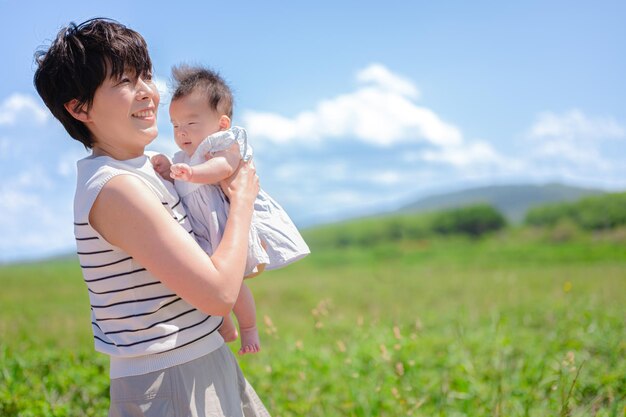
x: 123, y: 115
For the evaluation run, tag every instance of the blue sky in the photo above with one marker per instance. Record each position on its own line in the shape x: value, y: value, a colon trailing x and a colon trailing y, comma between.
x: 353, y: 107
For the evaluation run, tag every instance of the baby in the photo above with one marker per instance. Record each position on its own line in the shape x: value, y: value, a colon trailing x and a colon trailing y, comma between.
x: 201, y: 112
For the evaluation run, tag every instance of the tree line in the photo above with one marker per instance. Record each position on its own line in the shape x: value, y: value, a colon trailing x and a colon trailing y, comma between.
x: 592, y: 213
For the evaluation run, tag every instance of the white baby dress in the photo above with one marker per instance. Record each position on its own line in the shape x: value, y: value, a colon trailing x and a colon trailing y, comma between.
x: 274, y: 239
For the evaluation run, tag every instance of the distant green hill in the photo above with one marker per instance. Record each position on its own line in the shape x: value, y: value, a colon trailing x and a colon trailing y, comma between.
x: 511, y: 200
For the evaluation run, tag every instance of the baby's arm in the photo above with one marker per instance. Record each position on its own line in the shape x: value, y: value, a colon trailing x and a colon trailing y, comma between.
x: 161, y: 165
x: 219, y: 166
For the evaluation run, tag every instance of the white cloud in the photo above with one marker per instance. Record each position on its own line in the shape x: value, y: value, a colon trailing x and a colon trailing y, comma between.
x: 344, y: 198
x: 14, y: 201
x: 289, y: 171
x: 466, y: 155
x: 66, y: 164
x: 386, y: 177
x: 35, y: 179
x: 573, y: 138
x: 22, y: 104
x: 378, y: 74
x: 383, y: 112
x: 304, y: 169
x: 32, y: 219
x: 164, y: 143
x: 562, y: 151
x: 4, y: 147
x: 574, y: 124
x: 164, y: 91
x: 380, y: 112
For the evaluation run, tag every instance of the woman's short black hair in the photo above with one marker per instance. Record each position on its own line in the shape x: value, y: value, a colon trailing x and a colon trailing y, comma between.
x: 78, y: 61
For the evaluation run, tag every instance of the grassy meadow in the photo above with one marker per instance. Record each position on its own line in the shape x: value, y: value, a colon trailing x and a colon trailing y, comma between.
x: 521, y: 322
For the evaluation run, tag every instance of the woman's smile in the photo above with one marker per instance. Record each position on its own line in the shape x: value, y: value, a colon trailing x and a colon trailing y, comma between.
x: 146, y: 114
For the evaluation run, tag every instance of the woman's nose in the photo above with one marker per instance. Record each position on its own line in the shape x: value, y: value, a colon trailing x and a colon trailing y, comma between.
x: 145, y: 89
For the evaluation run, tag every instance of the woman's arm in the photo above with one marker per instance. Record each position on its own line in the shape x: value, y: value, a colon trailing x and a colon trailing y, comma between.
x: 128, y: 215
x: 218, y: 167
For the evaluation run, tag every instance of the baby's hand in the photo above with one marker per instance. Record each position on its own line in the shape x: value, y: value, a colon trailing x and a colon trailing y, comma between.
x: 161, y: 165
x: 181, y: 172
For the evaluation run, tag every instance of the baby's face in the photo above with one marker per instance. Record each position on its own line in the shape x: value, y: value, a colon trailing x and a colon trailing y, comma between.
x: 193, y: 121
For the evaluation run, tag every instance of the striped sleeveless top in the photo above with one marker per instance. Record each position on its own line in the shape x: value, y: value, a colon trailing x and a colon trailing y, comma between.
x: 141, y: 324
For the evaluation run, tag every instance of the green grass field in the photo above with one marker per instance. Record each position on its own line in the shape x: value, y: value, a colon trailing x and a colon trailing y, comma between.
x: 520, y: 323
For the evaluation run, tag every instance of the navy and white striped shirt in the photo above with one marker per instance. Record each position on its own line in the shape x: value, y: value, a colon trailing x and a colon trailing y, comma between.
x: 139, y: 322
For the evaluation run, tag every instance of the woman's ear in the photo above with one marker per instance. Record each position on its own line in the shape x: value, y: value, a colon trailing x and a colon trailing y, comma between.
x: 224, y: 122
x: 77, y: 110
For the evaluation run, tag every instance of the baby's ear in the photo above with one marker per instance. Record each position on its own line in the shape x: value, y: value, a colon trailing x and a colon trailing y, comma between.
x: 77, y: 110
x: 224, y: 122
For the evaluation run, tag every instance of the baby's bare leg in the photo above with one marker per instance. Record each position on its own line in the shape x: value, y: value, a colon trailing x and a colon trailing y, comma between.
x: 228, y: 329
x: 245, y: 311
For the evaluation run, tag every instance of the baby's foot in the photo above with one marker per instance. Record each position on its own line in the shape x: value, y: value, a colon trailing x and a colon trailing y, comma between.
x: 250, y: 342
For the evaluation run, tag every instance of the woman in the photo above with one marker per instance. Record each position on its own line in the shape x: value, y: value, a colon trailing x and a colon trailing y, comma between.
x: 156, y: 298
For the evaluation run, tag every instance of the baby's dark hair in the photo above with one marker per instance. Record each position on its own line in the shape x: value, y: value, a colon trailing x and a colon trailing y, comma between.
x: 78, y: 61
x: 189, y: 78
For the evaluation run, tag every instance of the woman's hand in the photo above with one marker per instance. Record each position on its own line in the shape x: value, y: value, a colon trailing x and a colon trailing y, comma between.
x: 243, y: 186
